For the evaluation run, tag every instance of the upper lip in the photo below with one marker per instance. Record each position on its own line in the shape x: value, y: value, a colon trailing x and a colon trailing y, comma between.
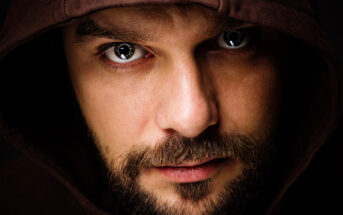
x: 189, y: 163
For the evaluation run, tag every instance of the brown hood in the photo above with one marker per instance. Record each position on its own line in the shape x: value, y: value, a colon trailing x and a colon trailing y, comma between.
x: 43, y: 128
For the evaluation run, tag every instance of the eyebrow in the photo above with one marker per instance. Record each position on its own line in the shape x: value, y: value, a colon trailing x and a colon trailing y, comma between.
x: 89, y: 28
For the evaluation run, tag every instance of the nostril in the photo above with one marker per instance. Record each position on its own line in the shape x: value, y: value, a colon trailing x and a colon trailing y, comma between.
x: 170, y: 131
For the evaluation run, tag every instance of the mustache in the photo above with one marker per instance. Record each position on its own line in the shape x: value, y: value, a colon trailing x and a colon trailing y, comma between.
x: 175, y: 150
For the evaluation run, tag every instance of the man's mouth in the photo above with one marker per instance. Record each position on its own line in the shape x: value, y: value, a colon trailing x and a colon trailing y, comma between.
x: 189, y: 173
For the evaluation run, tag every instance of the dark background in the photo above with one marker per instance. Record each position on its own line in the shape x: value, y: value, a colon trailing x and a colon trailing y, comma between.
x: 330, y: 14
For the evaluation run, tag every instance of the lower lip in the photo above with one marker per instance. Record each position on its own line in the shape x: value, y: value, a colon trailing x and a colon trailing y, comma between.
x: 191, y: 174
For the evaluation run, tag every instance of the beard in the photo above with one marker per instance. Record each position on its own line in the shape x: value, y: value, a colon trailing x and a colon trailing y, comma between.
x: 239, y: 196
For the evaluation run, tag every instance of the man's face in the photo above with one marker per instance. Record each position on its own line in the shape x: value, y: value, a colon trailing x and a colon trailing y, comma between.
x: 180, y: 101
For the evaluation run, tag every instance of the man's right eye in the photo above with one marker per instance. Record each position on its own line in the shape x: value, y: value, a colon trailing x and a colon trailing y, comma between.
x: 123, y: 52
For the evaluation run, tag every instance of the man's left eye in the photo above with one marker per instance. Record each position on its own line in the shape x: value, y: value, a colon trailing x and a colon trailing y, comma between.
x: 234, y: 39
x: 123, y: 52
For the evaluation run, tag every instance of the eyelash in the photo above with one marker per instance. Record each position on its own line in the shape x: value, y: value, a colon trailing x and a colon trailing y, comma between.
x: 210, y: 46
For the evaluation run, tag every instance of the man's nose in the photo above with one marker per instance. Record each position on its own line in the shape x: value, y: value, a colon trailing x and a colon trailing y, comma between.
x: 188, y: 106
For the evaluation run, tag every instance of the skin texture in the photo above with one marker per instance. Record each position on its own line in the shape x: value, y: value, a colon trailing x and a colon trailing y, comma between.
x: 181, y: 87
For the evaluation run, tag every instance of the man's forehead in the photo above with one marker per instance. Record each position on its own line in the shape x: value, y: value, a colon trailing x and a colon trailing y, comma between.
x: 165, y: 13
x: 147, y: 21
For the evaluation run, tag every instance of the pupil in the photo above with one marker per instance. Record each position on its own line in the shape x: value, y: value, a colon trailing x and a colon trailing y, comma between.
x: 234, y: 38
x: 124, y: 50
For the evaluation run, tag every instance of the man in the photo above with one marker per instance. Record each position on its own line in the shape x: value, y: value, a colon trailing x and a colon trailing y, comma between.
x: 165, y: 107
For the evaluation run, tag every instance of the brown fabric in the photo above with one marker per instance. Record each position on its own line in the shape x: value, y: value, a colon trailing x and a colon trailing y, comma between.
x: 27, y: 187
x: 53, y: 166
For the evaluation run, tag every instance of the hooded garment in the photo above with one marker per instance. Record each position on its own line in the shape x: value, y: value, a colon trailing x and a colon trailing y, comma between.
x: 59, y: 170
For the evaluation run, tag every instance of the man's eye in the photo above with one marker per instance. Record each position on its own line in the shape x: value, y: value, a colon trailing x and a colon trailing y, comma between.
x: 235, y: 39
x: 122, y: 52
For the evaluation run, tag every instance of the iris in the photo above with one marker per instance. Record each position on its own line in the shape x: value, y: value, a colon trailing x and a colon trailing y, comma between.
x: 124, y: 51
x: 234, y: 38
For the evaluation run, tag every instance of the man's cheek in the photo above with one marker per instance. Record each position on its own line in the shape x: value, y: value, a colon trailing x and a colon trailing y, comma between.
x: 117, y: 117
x: 245, y: 117
x: 249, y: 105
